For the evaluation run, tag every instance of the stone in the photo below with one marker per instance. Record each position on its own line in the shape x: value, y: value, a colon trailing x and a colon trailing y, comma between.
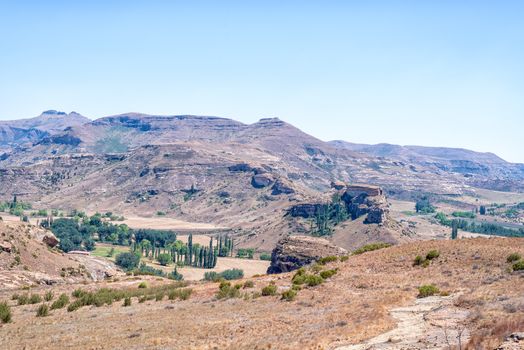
x: 282, y: 186
x: 51, y: 240
x: 261, y: 180
x: 304, y: 210
x: 6, y: 246
x: 293, y: 252
x: 338, y: 185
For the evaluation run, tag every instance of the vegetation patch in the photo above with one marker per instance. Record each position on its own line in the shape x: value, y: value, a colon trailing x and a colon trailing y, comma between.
x: 370, y: 247
x: 269, y: 290
x: 61, y: 302
x: 227, y: 291
x: 427, y: 290
x: 513, y: 257
x: 42, y: 311
x: 231, y: 274
x: 5, y: 312
x: 289, y: 295
x: 518, y: 266
x: 328, y: 273
x: 327, y: 259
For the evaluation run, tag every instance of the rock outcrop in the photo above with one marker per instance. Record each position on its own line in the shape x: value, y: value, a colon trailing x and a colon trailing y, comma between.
x: 292, y: 252
x: 262, y: 180
x: 282, y: 187
x: 359, y: 200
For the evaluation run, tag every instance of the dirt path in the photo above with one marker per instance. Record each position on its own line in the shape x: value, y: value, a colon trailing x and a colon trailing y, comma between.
x: 429, y: 323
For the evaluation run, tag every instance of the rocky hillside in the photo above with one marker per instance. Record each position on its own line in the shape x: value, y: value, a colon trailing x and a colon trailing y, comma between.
x: 484, y: 169
x: 28, y: 257
x: 215, y: 170
x: 24, y: 133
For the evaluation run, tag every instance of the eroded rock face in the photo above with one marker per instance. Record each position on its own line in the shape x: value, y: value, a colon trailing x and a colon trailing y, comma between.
x: 51, y: 240
x: 360, y: 200
x: 292, y: 252
x: 282, y: 187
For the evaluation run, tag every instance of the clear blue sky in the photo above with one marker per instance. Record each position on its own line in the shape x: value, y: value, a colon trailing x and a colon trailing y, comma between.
x: 436, y: 73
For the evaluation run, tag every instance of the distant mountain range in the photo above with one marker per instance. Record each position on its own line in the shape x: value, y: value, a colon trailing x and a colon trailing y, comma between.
x: 218, y: 170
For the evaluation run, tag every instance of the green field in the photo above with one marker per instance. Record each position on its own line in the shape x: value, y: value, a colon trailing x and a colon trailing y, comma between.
x: 103, y: 250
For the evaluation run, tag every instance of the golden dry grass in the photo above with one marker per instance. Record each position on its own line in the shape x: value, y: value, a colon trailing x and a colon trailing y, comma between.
x: 351, y: 306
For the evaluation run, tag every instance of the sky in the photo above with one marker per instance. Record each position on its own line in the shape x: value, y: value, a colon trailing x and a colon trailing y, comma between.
x: 432, y: 73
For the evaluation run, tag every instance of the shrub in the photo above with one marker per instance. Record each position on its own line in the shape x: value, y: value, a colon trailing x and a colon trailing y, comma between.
x: 231, y: 274
x: 426, y: 263
x: 142, y: 285
x: 127, y: 301
x: 418, y: 260
x: 432, y: 254
x: 344, y: 258
x: 182, y: 294
x: 513, y: 257
x: 48, y: 296
x: 327, y: 273
x: 268, y: 290
x: 75, y: 305
x: 248, y: 284
x: 313, y: 280
x: 59, y: 303
x: 78, y: 293
x: 23, y: 299
x: 226, y: 291
x: 128, y: 260
x: 289, y: 295
x: 265, y: 256
x: 327, y: 259
x: 14, y: 296
x: 35, y: 299
x: 427, y: 290
x: 518, y: 266
x: 159, y: 296
x: 5, y: 312
x: 164, y: 259
x: 42, y: 311
x: 371, y: 247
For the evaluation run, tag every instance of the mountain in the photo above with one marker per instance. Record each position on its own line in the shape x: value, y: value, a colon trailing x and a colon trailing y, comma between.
x: 246, y: 177
x: 24, y: 132
x: 490, y: 170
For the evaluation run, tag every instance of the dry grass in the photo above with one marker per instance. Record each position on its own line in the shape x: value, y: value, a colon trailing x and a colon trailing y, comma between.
x: 349, y: 307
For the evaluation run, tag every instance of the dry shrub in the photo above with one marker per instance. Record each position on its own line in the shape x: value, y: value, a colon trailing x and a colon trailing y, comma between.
x: 492, y: 336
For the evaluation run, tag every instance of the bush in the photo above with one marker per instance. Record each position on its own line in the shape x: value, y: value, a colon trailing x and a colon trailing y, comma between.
x: 59, y: 303
x: 299, y: 277
x: 432, y: 254
x: 35, y: 299
x: 265, y: 256
x: 78, y: 293
x: 42, y: 311
x: 127, y: 301
x: 48, y: 296
x: 248, y: 284
x: 518, y: 266
x: 418, y: 260
x: 231, y: 274
x: 142, y: 285
x: 226, y: 291
x: 23, y: 299
x: 5, y: 312
x: 164, y: 259
x: 327, y: 259
x: 269, y: 290
x: 513, y: 257
x: 128, y: 260
x: 371, y: 247
x: 75, y: 305
x: 344, y: 258
x: 182, y: 294
x: 313, y: 280
x: 289, y: 295
x: 427, y: 290
x: 327, y: 273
